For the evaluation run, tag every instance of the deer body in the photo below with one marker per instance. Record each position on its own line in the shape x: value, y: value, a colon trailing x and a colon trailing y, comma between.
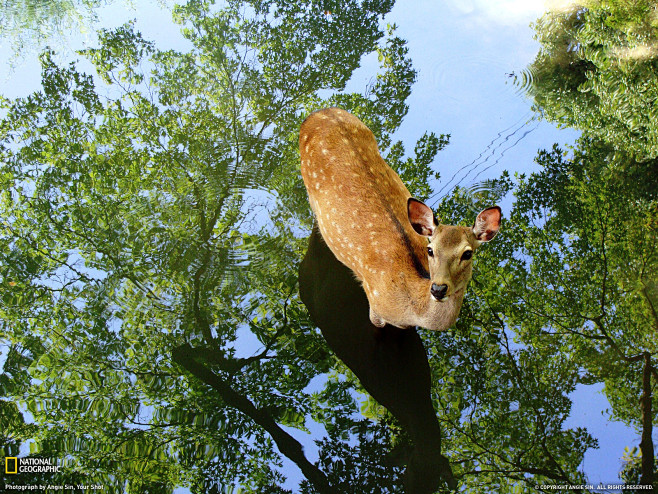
x: 371, y: 223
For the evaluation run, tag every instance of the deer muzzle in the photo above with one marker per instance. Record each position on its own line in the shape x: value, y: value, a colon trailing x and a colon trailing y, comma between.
x: 438, y: 291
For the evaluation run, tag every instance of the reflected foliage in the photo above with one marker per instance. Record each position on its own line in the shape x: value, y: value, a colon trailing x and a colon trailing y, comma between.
x: 154, y: 209
x: 501, y: 403
x: 600, y: 246
x: 365, y: 465
x: 30, y: 23
x: 597, y: 71
x: 596, y: 277
x: 568, y: 297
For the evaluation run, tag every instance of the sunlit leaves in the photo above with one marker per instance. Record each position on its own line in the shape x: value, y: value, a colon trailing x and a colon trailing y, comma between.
x: 596, y: 71
x: 158, y: 203
x: 577, y: 255
x: 32, y: 24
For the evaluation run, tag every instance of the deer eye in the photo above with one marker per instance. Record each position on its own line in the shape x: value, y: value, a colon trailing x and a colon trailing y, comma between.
x: 430, y: 252
x: 467, y: 255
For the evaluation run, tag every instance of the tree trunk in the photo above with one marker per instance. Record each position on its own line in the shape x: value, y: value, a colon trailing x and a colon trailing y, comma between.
x: 646, y: 445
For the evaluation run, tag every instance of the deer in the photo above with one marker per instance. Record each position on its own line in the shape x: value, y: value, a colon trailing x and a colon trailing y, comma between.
x: 414, y: 271
x: 391, y: 363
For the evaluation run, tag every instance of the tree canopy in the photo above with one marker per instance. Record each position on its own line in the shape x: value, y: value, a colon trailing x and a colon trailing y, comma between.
x: 32, y: 24
x: 147, y: 212
x: 597, y: 71
x: 153, y: 218
x: 591, y: 221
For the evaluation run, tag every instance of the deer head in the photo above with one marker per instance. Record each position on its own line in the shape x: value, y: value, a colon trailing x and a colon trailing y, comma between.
x: 450, y: 249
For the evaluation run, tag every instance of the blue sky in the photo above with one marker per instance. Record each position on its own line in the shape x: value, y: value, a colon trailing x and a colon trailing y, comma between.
x: 464, y: 51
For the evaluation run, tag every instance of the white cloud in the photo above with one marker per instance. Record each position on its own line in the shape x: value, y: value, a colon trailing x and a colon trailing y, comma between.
x: 503, y: 12
x: 563, y: 5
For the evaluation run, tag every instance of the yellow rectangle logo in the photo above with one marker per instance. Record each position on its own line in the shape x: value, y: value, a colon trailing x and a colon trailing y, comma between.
x: 11, y: 464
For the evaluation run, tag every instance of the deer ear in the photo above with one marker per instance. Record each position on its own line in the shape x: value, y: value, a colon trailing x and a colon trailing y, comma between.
x: 487, y: 224
x: 421, y: 217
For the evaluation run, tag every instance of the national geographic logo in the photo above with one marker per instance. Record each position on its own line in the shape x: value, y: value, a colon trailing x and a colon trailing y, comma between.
x: 11, y: 465
x: 30, y: 465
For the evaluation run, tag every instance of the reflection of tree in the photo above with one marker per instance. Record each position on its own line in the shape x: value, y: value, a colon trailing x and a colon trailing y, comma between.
x: 575, y: 277
x: 597, y: 71
x: 598, y: 268
x: 35, y: 22
x: 599, y: 245
x: 128, y: 227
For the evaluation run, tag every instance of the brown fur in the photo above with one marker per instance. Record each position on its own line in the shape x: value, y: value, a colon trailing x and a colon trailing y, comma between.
x: 361, y: 208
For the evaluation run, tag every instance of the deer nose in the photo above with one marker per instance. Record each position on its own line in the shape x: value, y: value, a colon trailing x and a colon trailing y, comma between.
x: 438, y: 291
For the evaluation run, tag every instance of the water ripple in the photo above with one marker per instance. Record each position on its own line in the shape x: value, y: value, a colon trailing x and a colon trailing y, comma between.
x: 491, y: 154
x: 523, y: 81
x: 473, y: 71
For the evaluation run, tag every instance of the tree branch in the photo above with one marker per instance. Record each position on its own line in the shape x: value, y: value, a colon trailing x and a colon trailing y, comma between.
x: 288, y: 445
x: 646, y: 444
